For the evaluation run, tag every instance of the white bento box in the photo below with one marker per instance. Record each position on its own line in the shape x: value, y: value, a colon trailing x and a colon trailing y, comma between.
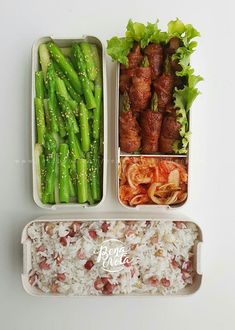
x: 27, y: 252
x: 66, y: 42
x: 120, y: 154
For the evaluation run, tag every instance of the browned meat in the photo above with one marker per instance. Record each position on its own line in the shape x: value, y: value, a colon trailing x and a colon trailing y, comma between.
x: 140, y: 90
x: 124, y: 83
x: 150, y: 123
x: 179, y: 82
x: 165, y: 145
x: 173, y: 44
x: 154, y: 53
x: 164, y: 88
x: 170, y: 131
x: 130, y: 139
x: 135, y: 57
x: 125, y: 80
x: 175, y: 66
x: 170, y: 127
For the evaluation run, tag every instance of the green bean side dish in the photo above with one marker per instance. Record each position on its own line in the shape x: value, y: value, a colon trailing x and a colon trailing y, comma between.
x: 69, y: 118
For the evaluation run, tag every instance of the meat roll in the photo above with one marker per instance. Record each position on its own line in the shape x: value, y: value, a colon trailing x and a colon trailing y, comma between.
x: 134, y: 59
x: 129, y: 129
x: 125, y: 80
x: 164, y: 88
x: 155, y: 56
x: 150, y: 122
x: 140, y: 90
x: 170, y: 131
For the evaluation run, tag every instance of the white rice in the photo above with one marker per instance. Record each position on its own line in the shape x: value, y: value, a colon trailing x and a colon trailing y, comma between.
x: 152, y: 247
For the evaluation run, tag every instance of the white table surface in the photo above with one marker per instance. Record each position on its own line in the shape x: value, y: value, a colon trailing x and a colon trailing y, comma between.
x: 211, y: 202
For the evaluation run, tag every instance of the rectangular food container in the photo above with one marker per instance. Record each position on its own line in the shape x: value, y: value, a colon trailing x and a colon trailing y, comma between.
x: 120, y: 154
x: 66, y: 42
x: 27, y: 252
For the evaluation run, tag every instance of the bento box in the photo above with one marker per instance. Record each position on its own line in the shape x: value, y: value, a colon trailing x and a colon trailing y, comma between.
x: 64, y: 44
x: 112, y: 257
x: 155, y: 90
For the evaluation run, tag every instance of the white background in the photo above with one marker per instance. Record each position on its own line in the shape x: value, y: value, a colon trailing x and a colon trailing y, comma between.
x: 213, y: 164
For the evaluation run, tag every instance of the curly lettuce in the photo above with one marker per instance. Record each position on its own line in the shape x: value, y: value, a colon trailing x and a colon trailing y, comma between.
x: 184, y: 97
x: 183, y: 102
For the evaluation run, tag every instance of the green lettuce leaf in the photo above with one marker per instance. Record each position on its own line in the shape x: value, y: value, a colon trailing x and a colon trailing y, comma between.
x: 119, y: 48
x: 194, y: 80
x: 176, y: 28
x: 181, y: 146
x: 185, y: 32
x: 135, y: 30
x: 185, y: 97
x: 145, y: 33
x: 153, y: 34
x: 183, y: 102
x: 189, y: 34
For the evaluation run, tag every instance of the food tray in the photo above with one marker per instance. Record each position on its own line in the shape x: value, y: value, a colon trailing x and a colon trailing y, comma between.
x: 27, y: 256
x: 65, y: 42
x: 120, y: 154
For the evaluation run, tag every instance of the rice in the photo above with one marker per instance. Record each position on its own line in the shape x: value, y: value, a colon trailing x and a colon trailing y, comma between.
x: 112, y: 257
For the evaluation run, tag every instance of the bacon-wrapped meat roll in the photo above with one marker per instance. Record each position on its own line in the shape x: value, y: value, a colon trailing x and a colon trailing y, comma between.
x: 170, y: 131
x: 164, y: 88
x: 129, y: 130
x: 125, y: 80
x: 134, y: 59
x: 140, y: 90
x: 151, y: 122
x: 155, y: 56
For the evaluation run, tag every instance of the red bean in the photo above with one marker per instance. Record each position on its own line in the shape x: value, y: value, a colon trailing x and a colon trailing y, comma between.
x: 92, y: 234
x: 63, y: 241
x: 108, y: 288
x: 105, y: 227
x: 174, y: 263
x: 61, y: 277
x: 98, y: 284
x: 89, y: 264
x: 44, y: 265
x: 153, y: 281
x: 165, y: 282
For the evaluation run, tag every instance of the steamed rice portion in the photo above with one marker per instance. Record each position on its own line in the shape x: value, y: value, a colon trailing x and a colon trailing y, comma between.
x: 159, y: 257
